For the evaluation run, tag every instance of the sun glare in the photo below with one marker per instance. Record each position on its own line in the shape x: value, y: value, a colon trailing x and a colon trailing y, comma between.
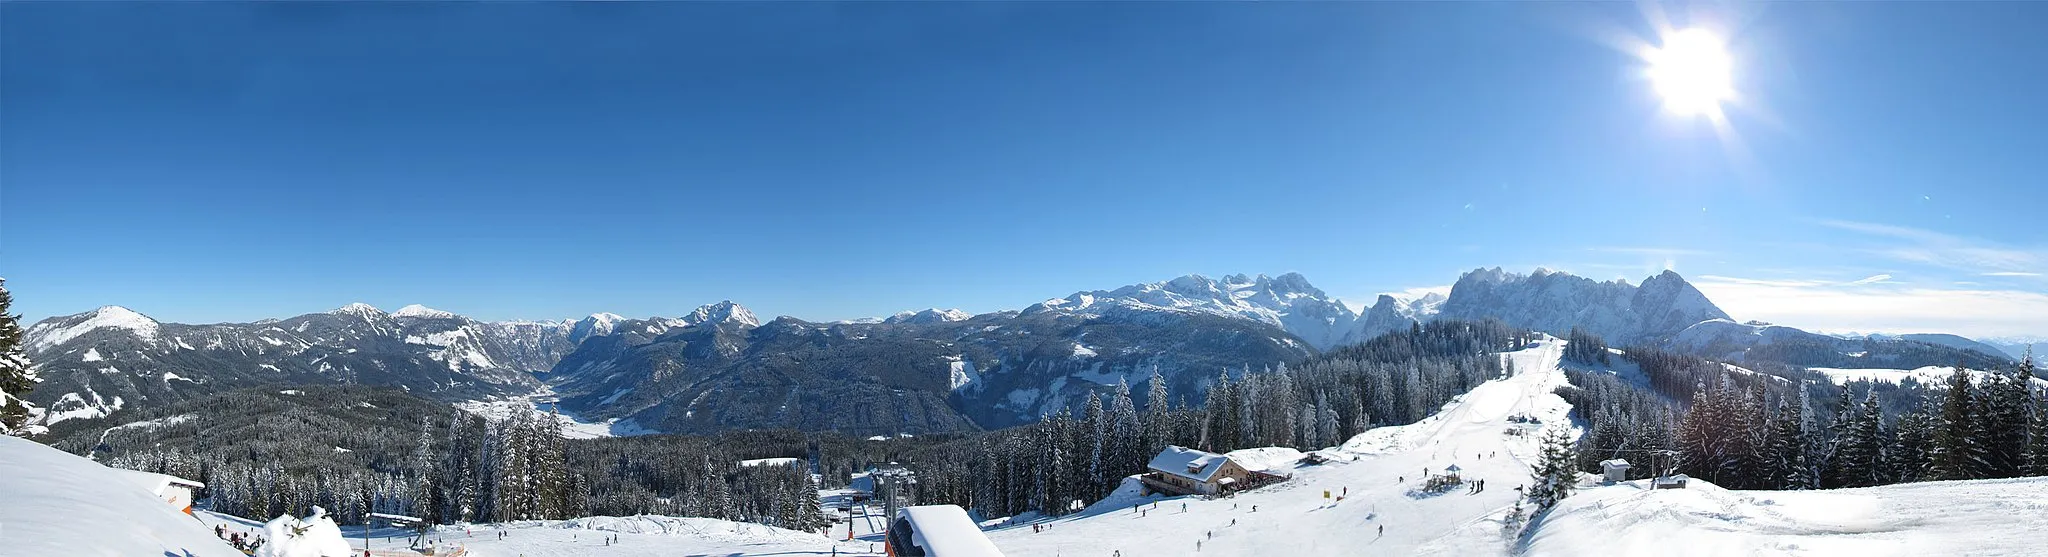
x: 1692, y: 72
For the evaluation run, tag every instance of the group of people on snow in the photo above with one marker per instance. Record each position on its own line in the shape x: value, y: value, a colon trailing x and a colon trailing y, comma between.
x: 241, y: 541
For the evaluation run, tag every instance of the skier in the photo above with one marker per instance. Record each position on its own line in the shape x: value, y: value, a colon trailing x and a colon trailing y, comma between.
x: 1183, y: 508
x: 1255, y: 508
x: 1233, y: 522
x: 1383, y: 529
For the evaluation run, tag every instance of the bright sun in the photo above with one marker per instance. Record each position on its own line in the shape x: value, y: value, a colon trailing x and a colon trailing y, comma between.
x: 1692, y: 72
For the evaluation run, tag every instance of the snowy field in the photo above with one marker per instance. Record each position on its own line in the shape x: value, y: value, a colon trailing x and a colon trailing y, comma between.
x: 572, y: 426
x: 1978, y: 517
x: 1930, y: 375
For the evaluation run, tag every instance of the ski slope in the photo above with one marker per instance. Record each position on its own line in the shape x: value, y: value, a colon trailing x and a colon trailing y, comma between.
x: 57, y: 503
x: 1979, y: 518
x: 638, y: 536
x: 1381, y: 469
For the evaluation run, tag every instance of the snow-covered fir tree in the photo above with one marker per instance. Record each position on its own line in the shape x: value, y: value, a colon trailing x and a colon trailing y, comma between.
x: 17, y: 377
x: 1557, y: 471
x: 1958, y: 452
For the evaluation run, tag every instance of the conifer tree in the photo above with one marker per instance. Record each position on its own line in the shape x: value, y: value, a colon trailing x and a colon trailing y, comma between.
x: 1156, y: 414
x: 1123, y: 432
x: 1790, y: 445
x: 426, y: 487
x: 1859, y: 451
x: 1914, y: 450
x: 16, y: 377
x: 1957, y: 454
x: 2007, y: 409
x: 1557, y: 473
x: 1095, y: 431
x: 2037, y: 438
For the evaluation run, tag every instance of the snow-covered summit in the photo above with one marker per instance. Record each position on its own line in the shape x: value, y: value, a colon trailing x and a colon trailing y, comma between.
x: 59, y: 331
x: 359, y: 309
x: 416, y: 310
x: 722, y: 312
x: 933, y: 315
x: 1554, y: 301
x: 1288, y: 301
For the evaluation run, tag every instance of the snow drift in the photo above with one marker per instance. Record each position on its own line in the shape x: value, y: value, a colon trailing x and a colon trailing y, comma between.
x: 1977, y: 517
x: 57, y: 503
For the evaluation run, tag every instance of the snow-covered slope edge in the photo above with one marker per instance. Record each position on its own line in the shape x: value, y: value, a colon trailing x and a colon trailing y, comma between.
x: 57, y: 503
x: 1977, y: 517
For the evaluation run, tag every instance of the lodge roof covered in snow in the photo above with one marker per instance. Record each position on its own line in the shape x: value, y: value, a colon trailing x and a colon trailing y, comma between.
x: 156, y: 483
x: 1188, y: 463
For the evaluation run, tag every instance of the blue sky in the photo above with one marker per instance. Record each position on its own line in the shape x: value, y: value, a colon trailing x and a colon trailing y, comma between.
x: 208, y: 162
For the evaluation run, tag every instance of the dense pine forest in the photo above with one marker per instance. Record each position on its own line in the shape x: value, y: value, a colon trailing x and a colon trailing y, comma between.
x: 1790, y: 428
x: 356, y: 450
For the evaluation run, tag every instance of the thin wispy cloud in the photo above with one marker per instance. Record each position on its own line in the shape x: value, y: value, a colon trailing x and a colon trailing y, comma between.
x: 1874, y: 304
x: 2012, y: 274
x: 1949, y: 251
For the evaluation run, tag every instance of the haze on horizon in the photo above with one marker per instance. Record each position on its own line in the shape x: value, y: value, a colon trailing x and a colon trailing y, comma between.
x: 1870, y: 167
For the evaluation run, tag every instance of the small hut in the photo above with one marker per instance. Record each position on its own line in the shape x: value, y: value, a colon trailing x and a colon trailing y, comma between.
x: 175, y: 491
x: 1615, y: 470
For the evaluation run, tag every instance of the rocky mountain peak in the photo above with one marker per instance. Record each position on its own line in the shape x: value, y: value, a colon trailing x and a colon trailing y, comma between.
x: 722, y: 312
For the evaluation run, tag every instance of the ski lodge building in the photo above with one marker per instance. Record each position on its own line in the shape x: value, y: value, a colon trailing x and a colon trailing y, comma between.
x: 173, y: 490
x: 1184, y: 471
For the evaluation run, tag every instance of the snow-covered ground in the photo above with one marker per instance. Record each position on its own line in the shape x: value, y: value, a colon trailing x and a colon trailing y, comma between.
x: 1930, y: 375
x: 1379, y: 474
x: 573, y: 427
x: 638, y: 536
x: 1980, y: 518
x: 57, y: 503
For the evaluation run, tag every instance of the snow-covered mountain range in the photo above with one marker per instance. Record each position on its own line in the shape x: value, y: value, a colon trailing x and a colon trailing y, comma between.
x: 721, y: 367
x: 1287, y: 301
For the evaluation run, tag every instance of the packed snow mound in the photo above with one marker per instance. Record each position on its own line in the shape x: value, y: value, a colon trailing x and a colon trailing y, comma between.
x: 57, y: 503
x: 1978, y: 517
x: 312, y: 536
